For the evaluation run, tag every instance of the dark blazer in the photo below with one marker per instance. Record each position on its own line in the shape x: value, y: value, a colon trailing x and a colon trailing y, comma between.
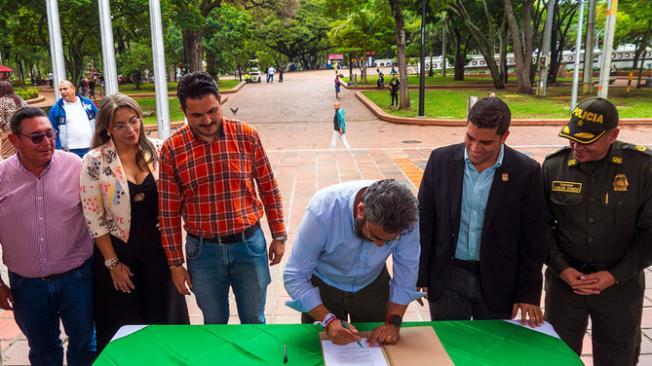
x: 512, y: 248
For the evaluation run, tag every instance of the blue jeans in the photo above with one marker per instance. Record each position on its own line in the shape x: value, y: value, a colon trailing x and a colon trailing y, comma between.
x: 215, y: 267
x: 38, y: 306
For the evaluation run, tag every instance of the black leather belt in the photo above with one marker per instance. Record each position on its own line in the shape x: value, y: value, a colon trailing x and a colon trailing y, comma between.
x: 58, y: 275
x: 472, y: 266
x: 587, y: 268
x: 233, y: 238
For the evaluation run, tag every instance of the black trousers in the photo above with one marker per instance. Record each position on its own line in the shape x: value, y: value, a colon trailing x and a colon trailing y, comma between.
x: 367, y: 305
x: 462, y: 299
x: 615, y: 318
x: 394, y: 98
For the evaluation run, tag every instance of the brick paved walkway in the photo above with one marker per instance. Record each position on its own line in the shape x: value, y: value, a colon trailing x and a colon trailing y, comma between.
x: 294, y: 121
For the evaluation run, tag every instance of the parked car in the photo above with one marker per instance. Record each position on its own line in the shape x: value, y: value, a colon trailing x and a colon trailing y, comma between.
x: 254, y: 75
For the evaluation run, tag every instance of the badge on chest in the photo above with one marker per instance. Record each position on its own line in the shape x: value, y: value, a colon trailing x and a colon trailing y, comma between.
x: 620, y: 183
x: 566, y: 187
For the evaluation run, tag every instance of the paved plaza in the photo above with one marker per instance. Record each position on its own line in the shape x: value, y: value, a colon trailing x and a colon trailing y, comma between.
x: 294, y: 120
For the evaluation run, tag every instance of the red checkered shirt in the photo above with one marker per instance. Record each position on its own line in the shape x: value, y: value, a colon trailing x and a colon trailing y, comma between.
x: 211, y: 185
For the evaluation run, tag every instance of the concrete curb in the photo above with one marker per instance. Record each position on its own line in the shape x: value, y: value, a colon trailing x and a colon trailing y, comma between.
x: 487, y: 86
x: 381, y: 114
x: 176, y: 125
x: 38, y: 99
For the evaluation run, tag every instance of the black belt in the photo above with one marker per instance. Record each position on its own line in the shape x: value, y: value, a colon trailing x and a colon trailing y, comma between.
x: 58, y: 275
x: 233, y: 238
x: 587, y: 268
x: 472, y: 266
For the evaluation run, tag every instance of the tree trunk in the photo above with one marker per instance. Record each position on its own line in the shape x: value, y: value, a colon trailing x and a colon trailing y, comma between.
x: 397, y: 13
x: 211, y: 64
x: 192, y: 50
x: 363, y: 69
x: 522, y: 69
x: 484, y: 45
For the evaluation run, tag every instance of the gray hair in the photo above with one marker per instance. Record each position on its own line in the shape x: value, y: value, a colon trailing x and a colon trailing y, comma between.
x: 391, y: 205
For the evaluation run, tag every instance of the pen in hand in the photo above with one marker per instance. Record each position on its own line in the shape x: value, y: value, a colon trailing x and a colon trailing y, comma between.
x: 346, y: 326
x: 285, y: 354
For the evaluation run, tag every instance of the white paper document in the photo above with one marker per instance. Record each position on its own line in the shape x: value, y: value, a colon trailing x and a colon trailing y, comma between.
x: 352, y: 354
x: 545, y: 328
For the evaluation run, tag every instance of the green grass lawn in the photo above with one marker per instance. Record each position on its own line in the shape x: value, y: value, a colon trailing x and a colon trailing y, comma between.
x: 223, y: 84
x: 413, y: 80
x: 452, y: 103
x: 149, y: 105
x: 26, y: 92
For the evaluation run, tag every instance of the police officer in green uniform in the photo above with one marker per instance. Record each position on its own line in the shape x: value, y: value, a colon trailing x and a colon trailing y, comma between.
x: 599, y: 196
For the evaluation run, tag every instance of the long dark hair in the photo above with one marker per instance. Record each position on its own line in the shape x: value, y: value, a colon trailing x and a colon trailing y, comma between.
x: 7, y: 91
x: 108, y: 107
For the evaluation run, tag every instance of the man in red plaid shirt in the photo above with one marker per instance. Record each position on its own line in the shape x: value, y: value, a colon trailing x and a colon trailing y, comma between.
x: 209, y: 173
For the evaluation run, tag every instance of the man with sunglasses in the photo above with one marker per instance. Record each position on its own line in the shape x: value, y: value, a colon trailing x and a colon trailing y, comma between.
x: 45, y: 244
x: 336, y: 272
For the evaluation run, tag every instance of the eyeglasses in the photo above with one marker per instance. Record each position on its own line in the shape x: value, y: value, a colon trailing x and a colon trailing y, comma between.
x: 37, y: 137
x: 369, y: 236
x: 121, y: 126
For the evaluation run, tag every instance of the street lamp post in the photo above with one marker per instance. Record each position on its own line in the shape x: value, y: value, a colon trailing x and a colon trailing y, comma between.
x: 422, y: 68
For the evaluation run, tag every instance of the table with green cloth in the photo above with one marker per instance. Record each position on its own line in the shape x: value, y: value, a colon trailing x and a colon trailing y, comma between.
x: 478, y: 343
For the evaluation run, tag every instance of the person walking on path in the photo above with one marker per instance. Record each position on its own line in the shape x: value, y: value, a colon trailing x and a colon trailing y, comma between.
x: 394, y: 86
x: 73, y: 117
x: 211, y: 170
x: 280, y: 73
x: 339, y: 126
x: 338, y: 84
x: 131, y: 279
x: 9, y: 103
x: 45, y: 244
x: 599, y: 196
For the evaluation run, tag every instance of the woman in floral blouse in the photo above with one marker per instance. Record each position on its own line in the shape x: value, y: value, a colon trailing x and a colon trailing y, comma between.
x: 131, y: 279
x: 9, y: 103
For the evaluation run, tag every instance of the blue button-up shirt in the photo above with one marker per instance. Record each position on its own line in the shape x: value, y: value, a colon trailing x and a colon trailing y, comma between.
x: 475, y: 193
x: 328, y: 247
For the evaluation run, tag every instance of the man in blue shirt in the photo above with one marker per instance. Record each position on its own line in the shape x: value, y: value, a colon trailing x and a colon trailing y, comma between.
x: 481, y: 214
x: 337, y: 266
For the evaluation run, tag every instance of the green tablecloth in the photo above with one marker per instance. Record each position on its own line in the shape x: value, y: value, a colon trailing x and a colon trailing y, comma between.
x: 478, y: 343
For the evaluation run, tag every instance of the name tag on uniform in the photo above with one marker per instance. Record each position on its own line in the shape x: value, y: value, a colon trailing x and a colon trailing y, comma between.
x: 568, y: 187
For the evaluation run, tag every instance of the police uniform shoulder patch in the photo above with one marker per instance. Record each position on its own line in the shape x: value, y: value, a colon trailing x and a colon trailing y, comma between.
x: 639, y: 148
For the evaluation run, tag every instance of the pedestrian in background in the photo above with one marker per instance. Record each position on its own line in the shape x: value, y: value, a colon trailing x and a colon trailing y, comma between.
x: 280, y: 73
x: 599, y: 196
x: 131, y: 279
x: 380, y: 84
x: 394, y: 86
x: 339, y: 127
x: 270, y: 74
x: 9, y: 103
x: 338, y: 84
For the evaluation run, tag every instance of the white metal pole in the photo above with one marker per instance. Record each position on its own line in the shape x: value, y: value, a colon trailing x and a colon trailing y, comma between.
x: 578, y: 49
x: 160, y: 79
x: 108, y: 51
x: 544, y: 60
x: 603, y: 87
x: 56, y: 45
x: 587, y: 82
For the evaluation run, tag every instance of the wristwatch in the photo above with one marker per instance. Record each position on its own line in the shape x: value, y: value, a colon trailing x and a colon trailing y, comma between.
x: 111, y: 262
x: 281, y: 238
x: 394, y: 320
